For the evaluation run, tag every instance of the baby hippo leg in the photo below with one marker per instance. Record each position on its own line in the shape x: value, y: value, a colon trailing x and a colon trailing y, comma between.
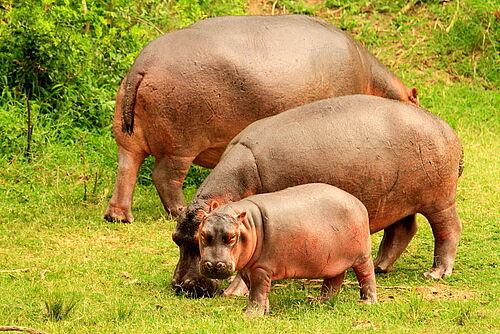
x: 331, y: 287
x: 258, y: 302
x: 365, y: 274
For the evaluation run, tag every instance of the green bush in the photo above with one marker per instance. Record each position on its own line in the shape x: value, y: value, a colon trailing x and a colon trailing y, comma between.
x: 468, y: 46
x: 66, y: 62
x: 66, y: 58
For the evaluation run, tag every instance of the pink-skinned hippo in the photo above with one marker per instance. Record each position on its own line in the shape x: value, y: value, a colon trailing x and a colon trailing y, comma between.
x: 309, y: 231
x: 396, y: 158
x: 190, y: 91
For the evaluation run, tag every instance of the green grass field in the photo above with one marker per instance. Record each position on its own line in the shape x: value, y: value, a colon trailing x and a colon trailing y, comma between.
x: 63, y: 269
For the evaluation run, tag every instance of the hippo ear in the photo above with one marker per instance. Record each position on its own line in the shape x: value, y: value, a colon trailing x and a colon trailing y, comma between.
x: 201, y: 215
x: 241, y: 216
x: 214, y: 205
x: 413, y: 96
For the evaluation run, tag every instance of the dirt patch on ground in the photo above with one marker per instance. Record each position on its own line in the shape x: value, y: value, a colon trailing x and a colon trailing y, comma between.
x: 271, y: 7
x: 438, y: 292
x: 256, y: 7
x: 435, y: 292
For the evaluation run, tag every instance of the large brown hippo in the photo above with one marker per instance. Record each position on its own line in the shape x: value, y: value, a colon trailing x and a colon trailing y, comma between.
x: 308, y: 231
x: 398, y: 159
x: 191, y: 91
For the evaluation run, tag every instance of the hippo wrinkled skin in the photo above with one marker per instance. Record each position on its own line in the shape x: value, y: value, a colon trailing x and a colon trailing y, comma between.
x: 308, y: 231
x: 398, y: 159
x: 190, y: 91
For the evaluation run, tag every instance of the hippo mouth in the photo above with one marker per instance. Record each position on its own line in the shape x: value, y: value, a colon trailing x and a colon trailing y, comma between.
x: 216, y: 273
x: 203, y: 288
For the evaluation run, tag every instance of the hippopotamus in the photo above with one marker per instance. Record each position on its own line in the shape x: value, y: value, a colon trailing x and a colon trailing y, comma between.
x: 396, y: 158
x: 190, y: 91
x: 308, y: 231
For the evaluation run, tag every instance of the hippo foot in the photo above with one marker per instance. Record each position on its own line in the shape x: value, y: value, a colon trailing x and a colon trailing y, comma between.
x: 369, y: 301
x: 437, y: 273
x: 380, y: 266
x: 381, y: 270
x: 256, y: 311
x: 236, y: 288
x: 118, y: 215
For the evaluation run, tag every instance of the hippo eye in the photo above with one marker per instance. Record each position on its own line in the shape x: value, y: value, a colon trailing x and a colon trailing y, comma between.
x: 231, y: 239
x: 205, y: 239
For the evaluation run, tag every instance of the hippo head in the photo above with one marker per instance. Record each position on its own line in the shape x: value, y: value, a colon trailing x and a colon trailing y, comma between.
x: 187, y: 278
x: 218, y: 237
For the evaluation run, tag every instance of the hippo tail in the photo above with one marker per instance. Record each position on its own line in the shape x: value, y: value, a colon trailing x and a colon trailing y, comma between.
x: 132, y: 82
x: 461, y: 164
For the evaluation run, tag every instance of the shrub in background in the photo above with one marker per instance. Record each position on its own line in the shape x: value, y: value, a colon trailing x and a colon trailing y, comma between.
x: 67, y: 57
x: 63, y: 60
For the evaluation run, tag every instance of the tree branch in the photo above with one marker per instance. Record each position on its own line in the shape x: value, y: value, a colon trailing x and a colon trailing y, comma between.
x: 20, y: 329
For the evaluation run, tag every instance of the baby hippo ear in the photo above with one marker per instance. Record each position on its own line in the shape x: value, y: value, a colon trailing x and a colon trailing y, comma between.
x: 241, y: 216
x: 242, y: 222
x: 201, y: 215
x: 214, y: 205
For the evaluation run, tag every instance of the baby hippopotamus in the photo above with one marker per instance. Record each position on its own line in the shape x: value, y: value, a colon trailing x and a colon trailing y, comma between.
x: 309, y: 231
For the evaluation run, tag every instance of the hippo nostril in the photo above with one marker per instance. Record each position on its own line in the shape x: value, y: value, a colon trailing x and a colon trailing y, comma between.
x: 220, y: 265
x: 208, y: 265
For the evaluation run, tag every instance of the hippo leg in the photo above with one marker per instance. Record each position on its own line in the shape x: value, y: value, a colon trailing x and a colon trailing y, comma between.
x: 236, y: 288
x: 168, y: 174
x: 396, y: 238
x: 258, y: 301
x: 119, y: 207
x: 331, y: 287
x: 446, y: 228
x: 365, y: 274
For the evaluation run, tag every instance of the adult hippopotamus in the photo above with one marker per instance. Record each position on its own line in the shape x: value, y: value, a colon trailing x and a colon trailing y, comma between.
x: 308, y: 231
x: 189, y: 92
x: 398, y: 159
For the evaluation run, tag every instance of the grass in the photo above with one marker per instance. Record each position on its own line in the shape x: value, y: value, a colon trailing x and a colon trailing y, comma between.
x: 58, y: 256
x: 58, y: 307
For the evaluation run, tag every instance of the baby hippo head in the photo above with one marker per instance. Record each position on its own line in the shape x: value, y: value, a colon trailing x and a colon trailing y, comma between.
x: 218, y: 237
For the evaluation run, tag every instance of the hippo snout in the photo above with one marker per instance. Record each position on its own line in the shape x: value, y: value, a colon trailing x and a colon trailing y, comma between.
x: 196, y: 288
x: 215, y: 269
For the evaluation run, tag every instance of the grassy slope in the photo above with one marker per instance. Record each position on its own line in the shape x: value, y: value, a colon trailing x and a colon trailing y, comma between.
x: 119, y: 274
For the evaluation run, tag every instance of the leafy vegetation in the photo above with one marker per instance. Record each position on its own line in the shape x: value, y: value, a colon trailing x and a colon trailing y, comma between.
x: 63, y: 63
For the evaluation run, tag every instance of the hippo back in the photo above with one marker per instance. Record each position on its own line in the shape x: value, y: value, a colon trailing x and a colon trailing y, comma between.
x: 396, y: 158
